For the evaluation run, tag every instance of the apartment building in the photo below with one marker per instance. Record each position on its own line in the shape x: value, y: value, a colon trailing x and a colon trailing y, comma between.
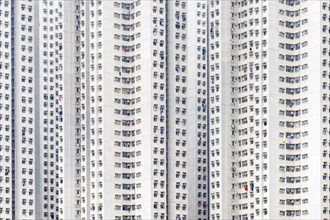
x: 6, y: 110
x: 88, y: 127
x: 269, y: 73
x: 137, y: 159
x: 17, y: 127
x: 69, y: 109
x: 164, y: 109
x: 187, y: 109
x: 39, y: 114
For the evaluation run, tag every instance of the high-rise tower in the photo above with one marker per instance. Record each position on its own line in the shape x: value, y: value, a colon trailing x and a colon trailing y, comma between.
x: 269, y: 73
x: 143, y: 81
x: 39, y: 134
x: 164, y: 109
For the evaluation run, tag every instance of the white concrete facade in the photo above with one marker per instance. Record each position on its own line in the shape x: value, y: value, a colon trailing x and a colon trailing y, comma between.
x: 269, y: 158
x: 138, y: 161
x: 133, y: 109
x: 39, y: 137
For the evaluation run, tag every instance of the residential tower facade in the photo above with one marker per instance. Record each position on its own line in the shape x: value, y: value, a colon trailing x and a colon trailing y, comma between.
x: 269, y: 72
x: 164, y: 109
